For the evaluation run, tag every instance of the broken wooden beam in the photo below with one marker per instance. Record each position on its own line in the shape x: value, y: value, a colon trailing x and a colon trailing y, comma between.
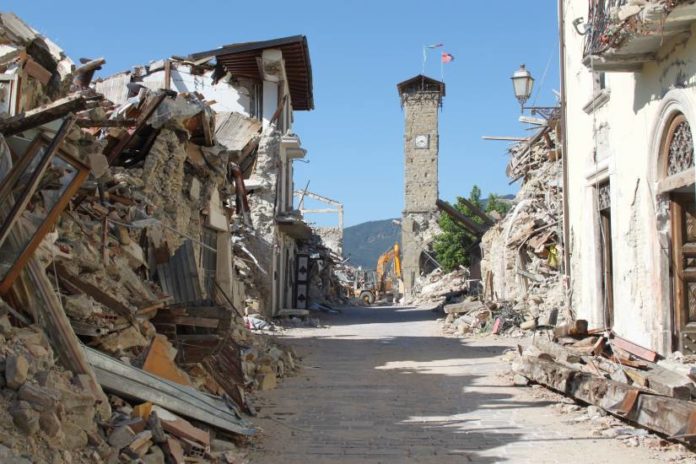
x: 661, y: 414
x: 477, y: 211
x: 142, y: 121
x: 83, y: 122
x: 470, y: 226
x: 46, y: 113
x: 634, y: 349
x: 55, y: 323
x: 80, y: 286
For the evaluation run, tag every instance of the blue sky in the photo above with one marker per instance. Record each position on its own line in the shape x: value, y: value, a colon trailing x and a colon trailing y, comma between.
x: 359, y: 51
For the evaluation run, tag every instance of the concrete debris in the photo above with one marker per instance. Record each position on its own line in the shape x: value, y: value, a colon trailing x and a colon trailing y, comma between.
x: 149, y: 249
x: 521, y: 287
x: 437, y: 288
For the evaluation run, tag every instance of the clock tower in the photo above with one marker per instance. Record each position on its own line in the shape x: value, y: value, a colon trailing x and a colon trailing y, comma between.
x: 421, y: 99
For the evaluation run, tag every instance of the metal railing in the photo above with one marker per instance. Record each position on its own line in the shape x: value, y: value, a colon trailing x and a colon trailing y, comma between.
x: 599, y: 18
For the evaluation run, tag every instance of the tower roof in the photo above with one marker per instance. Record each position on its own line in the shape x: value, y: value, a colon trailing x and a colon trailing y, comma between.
x: 421, y: 83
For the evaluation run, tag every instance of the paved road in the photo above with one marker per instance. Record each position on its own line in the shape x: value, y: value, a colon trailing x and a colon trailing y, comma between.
x: 383, y: 385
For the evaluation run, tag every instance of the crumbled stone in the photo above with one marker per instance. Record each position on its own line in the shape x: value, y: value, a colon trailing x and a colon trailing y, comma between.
x: 75, y: 437
x: 25, y: 417
x: 40, y: 398
x: 50, y: 423
x: 16, y: 371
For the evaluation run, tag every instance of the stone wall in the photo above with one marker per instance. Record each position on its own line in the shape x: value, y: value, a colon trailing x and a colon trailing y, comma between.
x: 420, y: 164
x: 421, y: 142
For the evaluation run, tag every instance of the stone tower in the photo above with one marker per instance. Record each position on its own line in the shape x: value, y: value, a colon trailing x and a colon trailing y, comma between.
x: 421, y: 98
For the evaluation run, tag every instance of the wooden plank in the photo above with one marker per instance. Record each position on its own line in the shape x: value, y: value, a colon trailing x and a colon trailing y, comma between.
x: 183, y: 429
x: 504, y: 138
x: 167, y: 75
x: 92, y: 290
x: 634, y: 349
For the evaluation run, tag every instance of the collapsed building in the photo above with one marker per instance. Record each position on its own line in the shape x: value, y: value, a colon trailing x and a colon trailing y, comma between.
x: 146, y: 215
x: 520, y: 264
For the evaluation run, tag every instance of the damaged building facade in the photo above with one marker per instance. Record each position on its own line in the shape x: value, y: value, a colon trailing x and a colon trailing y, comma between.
x: 631, y: 110
x: 253, y: 89
x: 147, y: 214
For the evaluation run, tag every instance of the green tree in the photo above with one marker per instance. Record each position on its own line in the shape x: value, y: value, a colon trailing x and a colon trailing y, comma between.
x: 494, y: 203
x: 453, y: 245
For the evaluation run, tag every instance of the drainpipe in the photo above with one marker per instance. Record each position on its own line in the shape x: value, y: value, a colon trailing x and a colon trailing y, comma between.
x: 564, y: 133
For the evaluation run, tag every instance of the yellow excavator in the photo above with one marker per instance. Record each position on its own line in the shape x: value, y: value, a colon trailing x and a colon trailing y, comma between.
x: 384, y: 282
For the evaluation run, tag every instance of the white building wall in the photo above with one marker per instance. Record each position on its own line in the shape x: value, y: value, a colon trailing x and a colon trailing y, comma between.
x: 227, y: 97
x: 625, y: 134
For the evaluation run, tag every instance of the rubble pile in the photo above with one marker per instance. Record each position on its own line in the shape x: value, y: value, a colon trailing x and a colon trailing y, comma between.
x: 324, y: 284
x: 522, y: 253
x: 47, y: 411
x: 131, y: 241
x: 436, y: 288
x: 614, y: 376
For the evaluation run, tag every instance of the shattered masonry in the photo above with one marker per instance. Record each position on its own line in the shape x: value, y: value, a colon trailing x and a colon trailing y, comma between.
x: 148, y: 221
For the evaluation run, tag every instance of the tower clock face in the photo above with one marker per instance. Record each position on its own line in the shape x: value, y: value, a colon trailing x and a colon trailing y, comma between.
x: 422, y: 141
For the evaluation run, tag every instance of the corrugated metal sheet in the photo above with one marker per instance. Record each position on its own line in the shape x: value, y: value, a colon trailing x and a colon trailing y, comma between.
x: 129, y: 381
x: 179, y: 277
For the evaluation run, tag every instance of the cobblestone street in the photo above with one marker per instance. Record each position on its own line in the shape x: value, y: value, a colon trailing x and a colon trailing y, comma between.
x: 383, y: 385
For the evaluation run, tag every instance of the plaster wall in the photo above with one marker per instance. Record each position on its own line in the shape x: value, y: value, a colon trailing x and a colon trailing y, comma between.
x: 227, y: 97
x: 619, y: 142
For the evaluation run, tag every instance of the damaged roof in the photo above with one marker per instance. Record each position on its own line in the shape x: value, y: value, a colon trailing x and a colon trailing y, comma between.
x: 240, y: 60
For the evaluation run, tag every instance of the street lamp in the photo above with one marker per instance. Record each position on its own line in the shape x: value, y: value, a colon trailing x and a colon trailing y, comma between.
x: 523, y: 84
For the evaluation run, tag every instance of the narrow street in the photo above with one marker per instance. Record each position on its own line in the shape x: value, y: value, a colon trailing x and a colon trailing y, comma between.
x: 383, y: 385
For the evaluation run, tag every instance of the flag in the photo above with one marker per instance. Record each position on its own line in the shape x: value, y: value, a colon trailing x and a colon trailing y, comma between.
x: 447, y: 57
x: 437, y: 45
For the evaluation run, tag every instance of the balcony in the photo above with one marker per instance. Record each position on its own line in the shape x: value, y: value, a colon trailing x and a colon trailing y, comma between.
x: 623, y: 35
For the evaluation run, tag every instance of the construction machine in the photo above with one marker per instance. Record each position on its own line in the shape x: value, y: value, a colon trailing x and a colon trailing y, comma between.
x: 384, y: 282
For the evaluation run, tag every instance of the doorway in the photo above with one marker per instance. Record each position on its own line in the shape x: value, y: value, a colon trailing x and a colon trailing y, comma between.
x: 683, y: 270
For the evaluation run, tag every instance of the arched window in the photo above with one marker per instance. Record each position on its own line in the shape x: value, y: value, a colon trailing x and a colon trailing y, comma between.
x: 678, y: 147
x: 677, y: 152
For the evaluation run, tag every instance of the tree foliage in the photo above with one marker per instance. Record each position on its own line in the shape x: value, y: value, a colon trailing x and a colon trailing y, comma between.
x: 453, y: 245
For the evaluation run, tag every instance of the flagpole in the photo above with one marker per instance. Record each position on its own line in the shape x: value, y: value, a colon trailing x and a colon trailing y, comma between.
x: 425, y: 57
